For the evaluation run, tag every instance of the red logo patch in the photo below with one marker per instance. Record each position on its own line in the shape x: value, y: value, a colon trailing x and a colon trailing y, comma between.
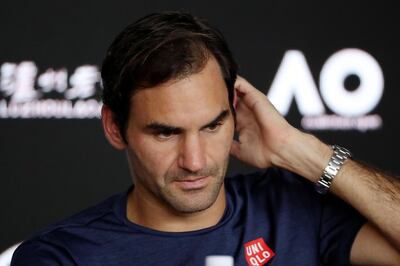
x: 257, y: 252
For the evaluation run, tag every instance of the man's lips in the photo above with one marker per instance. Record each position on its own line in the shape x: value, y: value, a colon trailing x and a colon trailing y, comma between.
x: 193, y: 183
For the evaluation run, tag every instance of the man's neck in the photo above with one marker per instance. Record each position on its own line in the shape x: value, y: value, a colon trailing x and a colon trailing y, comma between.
x: 163, y: 218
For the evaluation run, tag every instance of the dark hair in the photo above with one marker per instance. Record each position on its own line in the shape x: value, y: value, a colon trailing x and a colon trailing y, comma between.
x: 155, y: 49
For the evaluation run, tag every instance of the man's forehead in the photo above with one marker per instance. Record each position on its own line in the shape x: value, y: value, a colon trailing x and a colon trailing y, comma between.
x: 200, y: 95
x: 185, y: 119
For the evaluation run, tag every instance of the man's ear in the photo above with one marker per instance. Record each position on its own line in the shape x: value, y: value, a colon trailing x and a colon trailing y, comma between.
x: 235, y: 98
x: 111, y: 129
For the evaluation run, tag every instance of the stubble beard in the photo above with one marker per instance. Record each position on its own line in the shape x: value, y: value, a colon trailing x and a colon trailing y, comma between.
x: 196, y: 200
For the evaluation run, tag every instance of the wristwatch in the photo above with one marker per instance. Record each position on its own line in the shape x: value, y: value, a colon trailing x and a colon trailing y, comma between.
x: 339, y: 156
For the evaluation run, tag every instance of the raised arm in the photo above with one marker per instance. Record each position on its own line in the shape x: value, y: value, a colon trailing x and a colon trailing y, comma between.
x: 267, y: 139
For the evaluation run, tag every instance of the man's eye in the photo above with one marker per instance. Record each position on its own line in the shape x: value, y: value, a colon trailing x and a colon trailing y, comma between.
x: 164, y: 135
x: 214, y: 127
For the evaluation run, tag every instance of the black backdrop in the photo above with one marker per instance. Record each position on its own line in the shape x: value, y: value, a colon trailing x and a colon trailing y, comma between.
x: 52, y: 167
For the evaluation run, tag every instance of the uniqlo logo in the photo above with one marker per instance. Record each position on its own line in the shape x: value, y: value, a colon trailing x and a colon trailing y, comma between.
x: 257, y: 252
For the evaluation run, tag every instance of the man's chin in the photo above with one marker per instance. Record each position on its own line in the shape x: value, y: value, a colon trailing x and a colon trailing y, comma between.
x: 192, y: 208
x: 193, y: 200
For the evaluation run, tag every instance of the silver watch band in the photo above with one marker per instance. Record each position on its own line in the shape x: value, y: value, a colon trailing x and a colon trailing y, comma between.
x: 339, y: 156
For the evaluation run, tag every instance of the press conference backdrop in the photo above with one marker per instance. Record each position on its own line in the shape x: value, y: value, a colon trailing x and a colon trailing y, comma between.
x: 330, y: 68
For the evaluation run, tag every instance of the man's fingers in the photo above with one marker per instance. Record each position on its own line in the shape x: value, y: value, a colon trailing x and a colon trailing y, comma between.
x: 249, y: 95
x: 244, y: 88
x: 255, y: 100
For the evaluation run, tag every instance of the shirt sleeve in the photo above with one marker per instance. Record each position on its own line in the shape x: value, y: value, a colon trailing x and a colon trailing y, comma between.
x: 36, y: 252
x: 339, y: 226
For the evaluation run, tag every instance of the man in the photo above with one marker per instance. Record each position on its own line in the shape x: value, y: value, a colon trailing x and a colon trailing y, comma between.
x: 172, y: 101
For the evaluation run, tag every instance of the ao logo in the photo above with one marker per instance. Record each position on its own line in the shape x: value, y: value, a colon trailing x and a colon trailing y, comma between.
x: 294, y: 80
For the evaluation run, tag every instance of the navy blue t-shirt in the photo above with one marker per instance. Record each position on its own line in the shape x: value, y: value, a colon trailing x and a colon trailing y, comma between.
x: 269, y: 212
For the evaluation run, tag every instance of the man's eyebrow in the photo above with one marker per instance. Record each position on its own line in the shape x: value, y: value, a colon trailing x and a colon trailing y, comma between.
x: 222, y: 116
x: 159, y: 127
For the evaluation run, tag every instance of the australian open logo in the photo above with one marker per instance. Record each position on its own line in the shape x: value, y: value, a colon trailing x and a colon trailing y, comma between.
x: 350, y: 104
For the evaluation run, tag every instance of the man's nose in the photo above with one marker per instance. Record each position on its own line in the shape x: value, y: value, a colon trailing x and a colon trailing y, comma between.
x: 192, y: 157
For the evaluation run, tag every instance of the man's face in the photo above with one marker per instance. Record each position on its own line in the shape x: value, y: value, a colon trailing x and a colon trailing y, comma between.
x: 179, y: 136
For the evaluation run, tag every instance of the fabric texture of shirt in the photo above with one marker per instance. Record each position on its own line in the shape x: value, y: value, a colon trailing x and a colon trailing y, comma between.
x: 283, y: 210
